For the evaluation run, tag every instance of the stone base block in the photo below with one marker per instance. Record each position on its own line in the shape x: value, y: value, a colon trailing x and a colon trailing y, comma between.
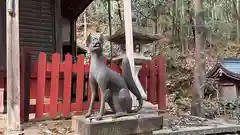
x: 130, y: 125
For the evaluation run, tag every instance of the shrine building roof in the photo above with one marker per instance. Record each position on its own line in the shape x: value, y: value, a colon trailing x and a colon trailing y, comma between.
x: 229, y: 67
x: 73, y: 8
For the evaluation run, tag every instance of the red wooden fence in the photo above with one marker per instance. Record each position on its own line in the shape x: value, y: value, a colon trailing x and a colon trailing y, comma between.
x: 50, y: 84
x: 152, y: 78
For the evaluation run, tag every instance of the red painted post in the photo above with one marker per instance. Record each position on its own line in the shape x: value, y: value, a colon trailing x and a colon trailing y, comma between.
x: 153, y: 82
x: 41, y: 78
x: 105, y: 60
x: 22, y: 93
x: 80, y: 83
x: 161, y: 91
x: 55, y: 66
x: 33, y: 88
x: 25, y: 74
x: 67, y: 85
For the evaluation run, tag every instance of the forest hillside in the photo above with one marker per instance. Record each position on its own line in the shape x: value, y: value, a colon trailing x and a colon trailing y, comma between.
x: 173, y: 19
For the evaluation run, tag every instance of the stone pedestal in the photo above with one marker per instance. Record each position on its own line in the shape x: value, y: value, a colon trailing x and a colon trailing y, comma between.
x: 130, y: 125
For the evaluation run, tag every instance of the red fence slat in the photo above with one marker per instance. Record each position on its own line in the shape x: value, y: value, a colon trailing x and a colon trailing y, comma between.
x: 22, y: 86
x: 41, y: 85
x: 54, y: 85
x: 80, y: 83
x: 153, y: 82
x: 67, y: 85
x: 161, y: 91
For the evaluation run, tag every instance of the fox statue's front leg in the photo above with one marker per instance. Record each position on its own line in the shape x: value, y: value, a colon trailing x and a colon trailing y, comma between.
x: 102, y: 103
x: 94, y: 88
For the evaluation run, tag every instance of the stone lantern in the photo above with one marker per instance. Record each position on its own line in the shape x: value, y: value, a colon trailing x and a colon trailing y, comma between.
x: 139, y: 39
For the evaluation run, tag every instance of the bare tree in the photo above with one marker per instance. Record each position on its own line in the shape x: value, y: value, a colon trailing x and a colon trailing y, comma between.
x: 199, y: 69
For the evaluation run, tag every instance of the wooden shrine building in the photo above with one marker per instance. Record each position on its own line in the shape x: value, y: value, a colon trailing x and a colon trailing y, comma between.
x: 44, y: 26
x: 227, y: 74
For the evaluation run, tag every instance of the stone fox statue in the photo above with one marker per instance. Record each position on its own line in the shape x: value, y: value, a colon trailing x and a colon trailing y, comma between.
x: 113, y: 87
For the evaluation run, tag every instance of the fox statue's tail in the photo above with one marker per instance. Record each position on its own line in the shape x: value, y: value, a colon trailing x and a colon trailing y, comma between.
x: 127, y: 75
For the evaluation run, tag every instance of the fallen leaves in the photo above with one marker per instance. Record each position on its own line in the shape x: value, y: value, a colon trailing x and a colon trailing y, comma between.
x: 186, y: 121
x: 57, y: 128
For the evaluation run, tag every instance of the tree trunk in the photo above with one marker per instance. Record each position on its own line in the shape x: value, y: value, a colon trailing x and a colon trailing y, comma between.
x: 238, y: 22
x: 174, y: 21
x: 177, y: 22
x: 199, y: 70
x: 155, y: 31
x: 119, y: 13
x: 236, y: 15
x: 110, y: 27
x: 191, y: 21
x: 182, y: 33
x: 85, y: 26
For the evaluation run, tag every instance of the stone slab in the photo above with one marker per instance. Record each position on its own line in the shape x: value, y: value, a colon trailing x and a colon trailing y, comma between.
x: 201, y: 130
x: 129, y: 125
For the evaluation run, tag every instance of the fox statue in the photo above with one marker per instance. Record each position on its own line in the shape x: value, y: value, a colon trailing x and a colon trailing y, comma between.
x: 114, y: 88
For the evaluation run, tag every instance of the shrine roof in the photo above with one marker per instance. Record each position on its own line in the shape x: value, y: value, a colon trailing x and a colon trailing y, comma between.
x: 138, y: 38
x: 228, y: 66
x: 73, y: 8
x: 232, y: 64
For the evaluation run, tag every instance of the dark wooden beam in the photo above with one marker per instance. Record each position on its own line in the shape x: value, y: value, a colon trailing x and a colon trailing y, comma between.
x: 73, y: 37
x: 71, y: 9
x: 57, y: 25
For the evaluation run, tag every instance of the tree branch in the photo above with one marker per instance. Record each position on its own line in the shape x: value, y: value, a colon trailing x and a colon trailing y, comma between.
x: 152, y: 18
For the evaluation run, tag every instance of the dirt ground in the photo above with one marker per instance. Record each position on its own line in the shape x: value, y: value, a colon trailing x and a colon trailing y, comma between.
x: 58, y: 127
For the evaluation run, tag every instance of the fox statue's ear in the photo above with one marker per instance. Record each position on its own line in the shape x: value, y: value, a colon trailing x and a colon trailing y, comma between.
x: 88, y: 41
x: 101, y: 39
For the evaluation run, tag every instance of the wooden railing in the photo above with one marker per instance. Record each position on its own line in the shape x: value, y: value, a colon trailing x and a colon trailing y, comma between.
x: 46, y: 88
